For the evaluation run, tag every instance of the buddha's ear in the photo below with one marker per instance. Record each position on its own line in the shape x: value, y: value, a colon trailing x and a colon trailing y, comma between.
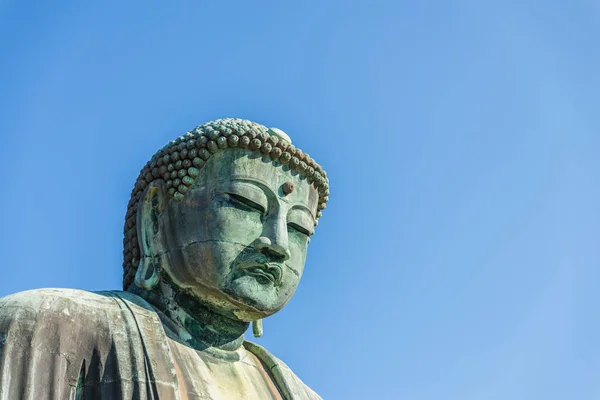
x: 148, y: 222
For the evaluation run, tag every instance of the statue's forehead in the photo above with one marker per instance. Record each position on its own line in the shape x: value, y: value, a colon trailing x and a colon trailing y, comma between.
x: 240, y: 164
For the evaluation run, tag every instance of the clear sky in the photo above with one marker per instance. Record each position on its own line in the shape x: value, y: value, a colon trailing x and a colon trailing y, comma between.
x: 458, y: 257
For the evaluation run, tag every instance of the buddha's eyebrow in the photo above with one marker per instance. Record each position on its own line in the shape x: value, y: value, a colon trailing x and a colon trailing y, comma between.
x: 303, y: 207
x: 264, y: 186
x: 259, y: 183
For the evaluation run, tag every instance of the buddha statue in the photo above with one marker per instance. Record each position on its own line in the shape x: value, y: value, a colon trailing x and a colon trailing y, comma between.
x: 215, y: 238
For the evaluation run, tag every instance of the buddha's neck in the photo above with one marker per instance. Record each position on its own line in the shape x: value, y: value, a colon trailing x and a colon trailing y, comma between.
x: 196, y: 324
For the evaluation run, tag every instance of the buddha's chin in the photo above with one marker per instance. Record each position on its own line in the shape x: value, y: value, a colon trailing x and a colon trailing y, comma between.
x: 255, y: 297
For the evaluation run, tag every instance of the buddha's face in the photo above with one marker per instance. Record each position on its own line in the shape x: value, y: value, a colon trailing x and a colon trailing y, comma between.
x: 238, y: 239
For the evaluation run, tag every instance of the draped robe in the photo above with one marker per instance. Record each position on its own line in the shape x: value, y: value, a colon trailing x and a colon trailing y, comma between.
x: 74, y: 344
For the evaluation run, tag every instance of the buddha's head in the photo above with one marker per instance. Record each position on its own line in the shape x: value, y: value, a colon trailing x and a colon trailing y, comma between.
x: 224, y: 214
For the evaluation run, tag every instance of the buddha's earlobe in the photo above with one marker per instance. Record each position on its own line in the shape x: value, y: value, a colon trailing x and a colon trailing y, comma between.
x: 148, y: 223
x: 148, y: 273
x: 257, y: 328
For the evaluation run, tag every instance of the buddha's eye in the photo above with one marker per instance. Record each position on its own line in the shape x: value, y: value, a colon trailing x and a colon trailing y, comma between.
x: 298, y: 228
x: 245, y: 204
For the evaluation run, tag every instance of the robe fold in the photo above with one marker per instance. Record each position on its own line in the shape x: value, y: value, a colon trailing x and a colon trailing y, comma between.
x: 74, y: 344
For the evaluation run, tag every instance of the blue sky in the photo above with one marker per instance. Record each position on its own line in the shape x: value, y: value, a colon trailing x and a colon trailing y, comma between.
x: 458, y: 256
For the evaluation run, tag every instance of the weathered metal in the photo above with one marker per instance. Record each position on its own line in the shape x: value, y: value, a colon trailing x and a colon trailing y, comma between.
x: 216, y: 236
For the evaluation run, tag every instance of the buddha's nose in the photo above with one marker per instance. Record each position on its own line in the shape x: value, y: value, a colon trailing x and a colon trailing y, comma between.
x: 270, y: 249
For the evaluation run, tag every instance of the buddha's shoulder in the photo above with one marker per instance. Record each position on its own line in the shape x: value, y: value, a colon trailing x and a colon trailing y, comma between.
x: 63, y: 305
x: 282, y: 373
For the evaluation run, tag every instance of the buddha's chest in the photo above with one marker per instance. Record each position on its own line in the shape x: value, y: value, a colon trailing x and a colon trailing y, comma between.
x: 201, y: 375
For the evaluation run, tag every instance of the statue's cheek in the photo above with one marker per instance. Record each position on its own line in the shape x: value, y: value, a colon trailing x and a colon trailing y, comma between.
x: 202, y: 262
x: 298, y: 244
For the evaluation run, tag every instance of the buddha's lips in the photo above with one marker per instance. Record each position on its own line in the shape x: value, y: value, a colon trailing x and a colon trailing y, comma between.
x: 270, y: 271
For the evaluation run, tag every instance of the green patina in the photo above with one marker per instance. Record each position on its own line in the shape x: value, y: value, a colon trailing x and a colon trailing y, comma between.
x: 216, y: 237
